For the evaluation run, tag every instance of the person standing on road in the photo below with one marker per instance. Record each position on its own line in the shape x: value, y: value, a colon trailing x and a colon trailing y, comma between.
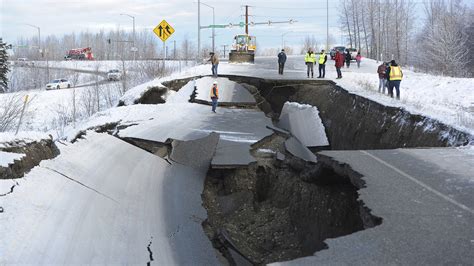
x: 381, y: 70
x: 394, y: 76
x: 214, y: 95
x: 348, y: 58
x: 281, y: 61
x: 215, y: 63
x: 322, y: 64
x: 358, y: 59
x: 310, y: 59
x: 339, y: 59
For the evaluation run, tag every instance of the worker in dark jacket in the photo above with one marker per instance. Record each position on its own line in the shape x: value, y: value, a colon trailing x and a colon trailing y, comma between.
x: 339, y: 59
x: 394, y: 77
x: 348, y: 58
x: 322, y: 64
x: 281, y: 61
x: 214, y: 95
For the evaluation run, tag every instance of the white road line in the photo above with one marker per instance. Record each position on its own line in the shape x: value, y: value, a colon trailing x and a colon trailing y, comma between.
x: 434, y: 191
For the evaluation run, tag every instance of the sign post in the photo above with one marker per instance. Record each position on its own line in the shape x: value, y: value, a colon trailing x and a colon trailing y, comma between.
x: 21, y: 116
x: 163, y: 31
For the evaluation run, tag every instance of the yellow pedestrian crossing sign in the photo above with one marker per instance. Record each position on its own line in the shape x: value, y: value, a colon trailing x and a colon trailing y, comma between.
x: 163, y: 30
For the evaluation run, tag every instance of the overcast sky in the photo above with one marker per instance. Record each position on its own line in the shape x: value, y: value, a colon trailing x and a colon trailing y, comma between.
x: 65, y: 16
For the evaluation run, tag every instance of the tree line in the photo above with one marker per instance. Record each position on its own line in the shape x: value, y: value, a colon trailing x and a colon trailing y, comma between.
x: 438, y: 43
x: 106, y: 45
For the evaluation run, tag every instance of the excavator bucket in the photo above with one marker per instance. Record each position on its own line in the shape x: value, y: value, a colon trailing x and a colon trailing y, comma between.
x: 241, y: 57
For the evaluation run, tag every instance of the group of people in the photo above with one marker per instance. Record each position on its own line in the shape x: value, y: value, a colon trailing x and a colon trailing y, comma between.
x: 310, y: 60
x: 390, y: 73
x: 390, y: 77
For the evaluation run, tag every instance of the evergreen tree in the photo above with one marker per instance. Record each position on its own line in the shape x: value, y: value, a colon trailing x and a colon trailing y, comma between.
x: 3, y: 66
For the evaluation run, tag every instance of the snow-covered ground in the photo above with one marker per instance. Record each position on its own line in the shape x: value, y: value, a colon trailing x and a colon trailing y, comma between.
x: 7, y: 158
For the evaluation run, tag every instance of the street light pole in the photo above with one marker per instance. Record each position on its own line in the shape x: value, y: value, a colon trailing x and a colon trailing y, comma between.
x: 213, y: 23
x: 327, y: 25
x: 134, y: 48
x: 39, y: 38
x: 199, y: 31
x: 282, y: 44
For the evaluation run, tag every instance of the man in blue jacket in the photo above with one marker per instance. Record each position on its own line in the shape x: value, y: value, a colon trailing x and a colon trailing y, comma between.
x: 281, y: 61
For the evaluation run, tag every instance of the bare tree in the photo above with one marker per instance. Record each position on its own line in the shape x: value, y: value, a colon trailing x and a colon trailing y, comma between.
x: 309, y: 42
x: 10, y: 111
x: 445, y: 39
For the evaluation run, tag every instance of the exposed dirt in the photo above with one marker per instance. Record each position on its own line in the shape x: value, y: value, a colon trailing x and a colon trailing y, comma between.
x: 277, y: 210
x: 35, y: 152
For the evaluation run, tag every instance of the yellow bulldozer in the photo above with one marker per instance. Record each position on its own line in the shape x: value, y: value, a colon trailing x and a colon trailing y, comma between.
x: 243, y: 49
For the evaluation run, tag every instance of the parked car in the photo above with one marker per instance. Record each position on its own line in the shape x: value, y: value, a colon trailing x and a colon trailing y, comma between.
x: 22, y: 61
x: 353, y: 52
x: 332, y: 53
x: 114, y: 74
x: 58, y: 84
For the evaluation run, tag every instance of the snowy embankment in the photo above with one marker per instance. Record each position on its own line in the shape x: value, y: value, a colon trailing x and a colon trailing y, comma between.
x: 449, y: 100
x: 7, y: 158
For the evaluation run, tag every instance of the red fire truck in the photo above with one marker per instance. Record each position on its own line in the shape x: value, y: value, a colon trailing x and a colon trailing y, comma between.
x: 80, y: 54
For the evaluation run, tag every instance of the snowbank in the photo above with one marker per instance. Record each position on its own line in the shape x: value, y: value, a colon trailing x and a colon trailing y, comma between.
x: 25, y: 136
x: 7, y: 158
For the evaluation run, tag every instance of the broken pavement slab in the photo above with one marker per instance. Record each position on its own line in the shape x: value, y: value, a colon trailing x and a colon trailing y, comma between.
x: 237, y: 128
x: 230, y: 154
x: 426, y: 200
x: 303, y: 121
x: 296, y: 148
x: 100, y: 202
x: 195, y: 153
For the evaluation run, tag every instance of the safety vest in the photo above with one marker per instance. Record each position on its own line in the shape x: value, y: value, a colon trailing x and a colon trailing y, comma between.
x: 395, y: 73
x: 212, y: 92
x: 321, y: 58
x: 310, y: 58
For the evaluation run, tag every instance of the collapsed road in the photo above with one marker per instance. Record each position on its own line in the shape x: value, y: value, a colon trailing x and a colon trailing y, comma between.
x: 244, y: 186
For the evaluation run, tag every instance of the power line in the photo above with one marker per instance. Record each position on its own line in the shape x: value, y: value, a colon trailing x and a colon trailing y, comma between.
x: 294, y: 8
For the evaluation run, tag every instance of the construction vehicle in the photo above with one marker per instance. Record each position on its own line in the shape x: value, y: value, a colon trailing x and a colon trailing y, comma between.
x: 243, y: 49
x: 79, y: 54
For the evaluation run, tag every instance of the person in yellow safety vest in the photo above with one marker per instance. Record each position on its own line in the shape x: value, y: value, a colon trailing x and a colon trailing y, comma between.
x: 214, y: 95
x: 310, y: 59
x: 322, y: 64
x: 394, y: 77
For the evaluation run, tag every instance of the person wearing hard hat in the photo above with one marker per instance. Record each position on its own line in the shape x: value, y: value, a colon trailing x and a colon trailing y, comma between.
x: 214, y: 95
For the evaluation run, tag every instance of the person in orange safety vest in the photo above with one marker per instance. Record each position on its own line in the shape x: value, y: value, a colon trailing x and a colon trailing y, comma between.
x: 214, y: 96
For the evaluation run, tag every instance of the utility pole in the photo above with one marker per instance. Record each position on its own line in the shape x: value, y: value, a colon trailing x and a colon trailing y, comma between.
x: 199, y: 31
x: 133, y: 42
x: 174, y: 49
x: 327, y: 25
x: 39, y: 38
x: 247, y: 19
x: 225, y: 45
x: 282, y: 42
x: 213, y: 28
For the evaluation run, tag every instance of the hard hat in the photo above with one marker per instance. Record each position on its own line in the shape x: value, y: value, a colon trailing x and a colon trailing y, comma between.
x: 215, y: 82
